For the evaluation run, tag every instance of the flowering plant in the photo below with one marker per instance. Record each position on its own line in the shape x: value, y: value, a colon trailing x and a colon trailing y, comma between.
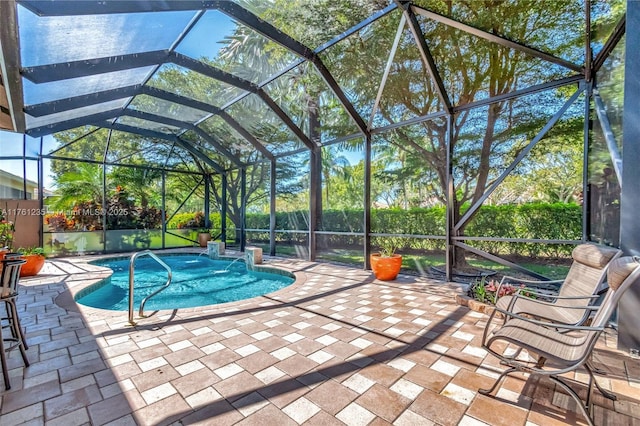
x: 7, y: 229
x: 491, y: 291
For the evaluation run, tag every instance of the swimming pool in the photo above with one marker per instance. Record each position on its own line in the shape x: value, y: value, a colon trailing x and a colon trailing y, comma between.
x: 197, y: 281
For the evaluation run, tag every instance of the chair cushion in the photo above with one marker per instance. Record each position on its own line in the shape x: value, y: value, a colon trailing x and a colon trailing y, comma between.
x: 593, y: 255
x: 620, y: 269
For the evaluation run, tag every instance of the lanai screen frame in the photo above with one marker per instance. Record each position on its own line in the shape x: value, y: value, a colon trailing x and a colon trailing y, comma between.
x: 583, y: 78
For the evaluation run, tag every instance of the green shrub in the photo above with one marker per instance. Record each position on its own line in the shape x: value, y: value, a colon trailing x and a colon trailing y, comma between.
x: 522, y: 221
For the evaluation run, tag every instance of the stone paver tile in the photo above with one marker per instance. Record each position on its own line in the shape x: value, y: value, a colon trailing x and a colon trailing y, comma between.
x: 341, y: 349
x: 50, y: 365
x: 238, y: 341
x: 151, y: 352
x: 495, y: 412
x: 305, y: 347
x: 361, y: 343
x: 551, y: 416
x: 219, y: 358
x: 174, y: 335
x: 355, y: 415
x: 116, y: 388
x: 326, y: 340
x: 119, y: 372
x: 247, y: 350
x: 320, y: 357
x: 445, y: 367
x: 228, y: 370
x: 379, y: 421
x: 296, y: 365
x: 406, y: 388
x: 71, y: 401
x: 301, y: 410
x: 212, y: 348
x: 109, y: 409
x: 358, y: 383
x: 450, y: 342
x: 74, y: 418
x: 28, y: 382
x: 323, y: 418
x: 155, y: 377
x: 189, y: 367
x: 238, y: 385
x: 30, y: 414
x: 257, y: 361
x: 401, y: 364
x: 383, y: 402
x: 283, y: 353
x: 438, y: 408
x: 250, y: 403
x: 472, y: 380
x: 183, y: 356
x: 26, y: 397
x: 203, y: 397
x: 220, y: 413
x: 269, y: 375
x: 270, y: 415
x: 382, y: 374
x: 409, y: 418
x: 282, y: 392
x: 332, y: 396
x: 194, y: 382
x: 261, y: 335
x: 420, y: 356
x: 158, y: 393
x: 271, y: 344
x: 312, y: 379
x: 164, y: 411
x: 82, y: 369
x: 427, y: 378
x: 470, y: 421
x: 458, y: 393
x: 152, y: 363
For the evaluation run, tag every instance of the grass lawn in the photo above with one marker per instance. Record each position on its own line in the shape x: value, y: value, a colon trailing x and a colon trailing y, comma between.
x: 420, y: 264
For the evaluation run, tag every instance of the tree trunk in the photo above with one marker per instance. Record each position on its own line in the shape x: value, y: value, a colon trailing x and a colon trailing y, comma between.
x: 459, y: 257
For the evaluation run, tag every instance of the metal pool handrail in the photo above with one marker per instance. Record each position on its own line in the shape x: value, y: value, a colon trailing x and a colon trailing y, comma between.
x: 132, y: 262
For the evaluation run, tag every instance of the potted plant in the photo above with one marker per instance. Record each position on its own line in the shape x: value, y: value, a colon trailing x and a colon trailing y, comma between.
x: 386, y: 263
x: 35, y: 260
x: 203, y: 237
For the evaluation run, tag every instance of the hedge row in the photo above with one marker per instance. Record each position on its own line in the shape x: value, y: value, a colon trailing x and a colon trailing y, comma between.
x: 524, y: 221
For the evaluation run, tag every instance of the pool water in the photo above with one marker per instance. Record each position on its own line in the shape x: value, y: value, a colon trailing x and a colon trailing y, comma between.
x: 197, y: 281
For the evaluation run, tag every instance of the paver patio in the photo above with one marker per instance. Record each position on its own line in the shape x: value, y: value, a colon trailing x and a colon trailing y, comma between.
x: 336, y: 347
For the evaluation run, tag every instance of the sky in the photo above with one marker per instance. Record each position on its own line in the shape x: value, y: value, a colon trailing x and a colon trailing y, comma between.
x: 46, y: 40
x: 11, y: 145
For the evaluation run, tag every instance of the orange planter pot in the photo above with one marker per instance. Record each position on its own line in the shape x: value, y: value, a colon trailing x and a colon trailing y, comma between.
x: 203, y: 238
x: 34, y: 264
x: 386, y: 268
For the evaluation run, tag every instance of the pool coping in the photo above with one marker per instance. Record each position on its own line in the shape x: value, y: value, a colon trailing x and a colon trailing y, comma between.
x: 66, y: 299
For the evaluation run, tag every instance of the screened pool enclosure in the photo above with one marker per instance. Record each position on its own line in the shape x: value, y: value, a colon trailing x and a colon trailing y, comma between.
x: 458, y: 132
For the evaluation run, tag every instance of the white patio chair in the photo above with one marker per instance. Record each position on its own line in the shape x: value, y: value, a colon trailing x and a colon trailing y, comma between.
x: 568, y: 347
x: 577, y: 291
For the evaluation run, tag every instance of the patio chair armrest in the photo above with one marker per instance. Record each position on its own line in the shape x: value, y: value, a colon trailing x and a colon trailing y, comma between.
x: 523, y: 294
x: 517, y: 296
x: 594, y: 296
x: 510, y: 278
x: 545, y: 324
